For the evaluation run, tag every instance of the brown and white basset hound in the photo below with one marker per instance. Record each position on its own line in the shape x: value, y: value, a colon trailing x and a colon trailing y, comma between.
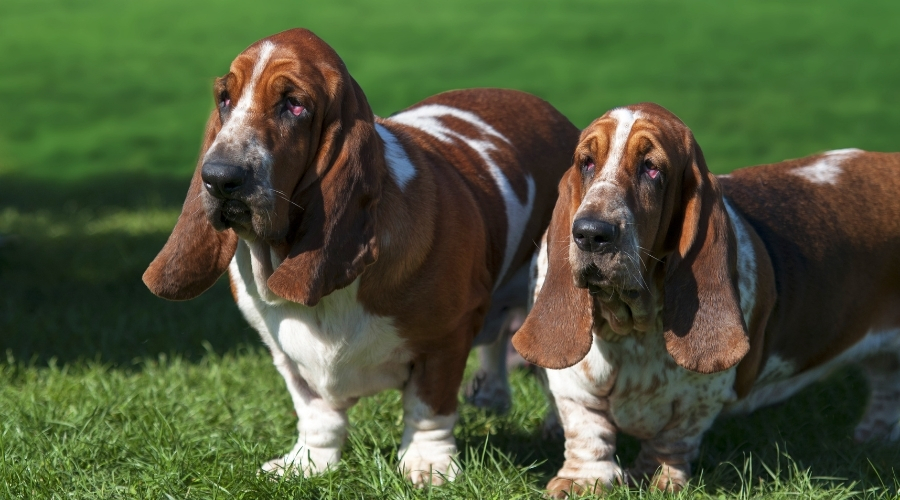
x: 364, y: 250
x: 670, y: 296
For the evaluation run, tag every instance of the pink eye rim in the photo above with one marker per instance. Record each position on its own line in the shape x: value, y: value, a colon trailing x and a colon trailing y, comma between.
x: 650, y: 169
x: 294, y: 106
x: 588, y: 165
x: 225, y: 102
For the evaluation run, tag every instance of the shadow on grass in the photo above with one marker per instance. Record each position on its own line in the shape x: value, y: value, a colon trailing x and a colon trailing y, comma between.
x: 810, y: 432
x: 71, y: 260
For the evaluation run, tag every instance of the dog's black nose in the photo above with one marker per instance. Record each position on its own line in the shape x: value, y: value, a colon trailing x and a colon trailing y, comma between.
x: 222, y: 180
x: 592, y: 235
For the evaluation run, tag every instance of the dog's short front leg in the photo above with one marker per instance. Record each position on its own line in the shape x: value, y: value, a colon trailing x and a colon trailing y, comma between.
x: 322, y: 428
x: 665, y: 459
x: 590, y: 464
x: 666, y: 466
x: 429, y: 414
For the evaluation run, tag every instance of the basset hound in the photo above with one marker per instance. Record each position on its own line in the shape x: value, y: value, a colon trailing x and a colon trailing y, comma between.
x: 364, y: 250
x: 670, y: 296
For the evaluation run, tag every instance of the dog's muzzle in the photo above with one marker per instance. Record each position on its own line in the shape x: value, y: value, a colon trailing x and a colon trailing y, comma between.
x: 226, y: 185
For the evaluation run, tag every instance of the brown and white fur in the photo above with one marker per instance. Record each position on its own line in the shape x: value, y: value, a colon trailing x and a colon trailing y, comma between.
x: 364, y: 250
x: 672, y: 296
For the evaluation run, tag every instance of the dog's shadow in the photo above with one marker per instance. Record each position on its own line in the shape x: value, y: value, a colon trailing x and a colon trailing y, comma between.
x: 808, y: 435
x: 806, y: 438
x: 71, y: 259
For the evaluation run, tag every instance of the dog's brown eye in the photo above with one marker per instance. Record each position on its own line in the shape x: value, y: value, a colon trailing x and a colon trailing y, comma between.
x: 588, y: 166
x: 224, y: 101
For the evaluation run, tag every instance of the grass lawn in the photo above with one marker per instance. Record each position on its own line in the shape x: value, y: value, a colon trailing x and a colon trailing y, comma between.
x: 109, y: 392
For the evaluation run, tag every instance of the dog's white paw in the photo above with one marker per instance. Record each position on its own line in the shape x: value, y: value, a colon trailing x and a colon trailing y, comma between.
x: 422, y: 472
x: 305, y: 462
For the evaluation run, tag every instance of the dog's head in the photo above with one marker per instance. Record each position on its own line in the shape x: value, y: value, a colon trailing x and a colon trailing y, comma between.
x: 290, y: 158
x: 640, y: 241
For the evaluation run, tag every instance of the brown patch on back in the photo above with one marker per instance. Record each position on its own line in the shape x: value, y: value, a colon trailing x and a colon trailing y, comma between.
x: 835, y: 251
x: 439, y: 294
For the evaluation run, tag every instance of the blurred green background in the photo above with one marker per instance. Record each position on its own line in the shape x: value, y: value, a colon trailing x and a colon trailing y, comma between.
x: 102, y: 104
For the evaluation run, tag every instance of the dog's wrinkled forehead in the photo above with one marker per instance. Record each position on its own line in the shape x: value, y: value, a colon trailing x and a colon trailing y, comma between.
x: 615, y: 127
x: 295, y: 58
x: 611, y: 134
x: 294, y: 61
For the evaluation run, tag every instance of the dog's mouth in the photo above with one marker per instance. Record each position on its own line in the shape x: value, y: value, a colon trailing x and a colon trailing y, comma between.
x: 230, y: 214
x: 251, y: 217
x: 600, y: 282
x: 626, y: 308
x: 236, y: 212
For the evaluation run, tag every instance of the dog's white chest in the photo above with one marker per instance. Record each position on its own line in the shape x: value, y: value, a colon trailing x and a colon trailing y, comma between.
x: 638, y: 384
x: 342, y: 351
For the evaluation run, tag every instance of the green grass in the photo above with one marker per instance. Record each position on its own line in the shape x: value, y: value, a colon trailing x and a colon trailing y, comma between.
x: 109, y: 392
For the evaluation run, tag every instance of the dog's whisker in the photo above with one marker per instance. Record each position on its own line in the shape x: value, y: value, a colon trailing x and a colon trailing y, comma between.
x: 636, y: 274
x: 284, y: 197
x: 642, y: 249
x: 200, y: 207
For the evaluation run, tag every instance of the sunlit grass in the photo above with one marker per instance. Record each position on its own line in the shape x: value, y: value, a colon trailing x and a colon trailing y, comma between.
x: 49, y: 224
x: 169, y: 427
x: 109, y: 392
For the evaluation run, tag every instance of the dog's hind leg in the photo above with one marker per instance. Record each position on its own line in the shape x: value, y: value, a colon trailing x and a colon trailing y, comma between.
x: 882, y: 415
x: 489, y: 387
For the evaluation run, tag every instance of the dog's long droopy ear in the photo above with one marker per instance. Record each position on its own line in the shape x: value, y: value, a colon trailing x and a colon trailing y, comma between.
x: 335, y: 240
x: 196, y: 254
x: 702, y: 319
x: 558, y: 331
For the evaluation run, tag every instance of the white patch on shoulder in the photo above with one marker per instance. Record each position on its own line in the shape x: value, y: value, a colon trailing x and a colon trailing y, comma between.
x: 826, y: 168
x: 427, y: 118
x: 746, y: 263
x: 778, y: 381
x: 397, y: 161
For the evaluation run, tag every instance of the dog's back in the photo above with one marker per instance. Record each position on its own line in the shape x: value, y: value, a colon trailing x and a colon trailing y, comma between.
x: 830, y: 224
